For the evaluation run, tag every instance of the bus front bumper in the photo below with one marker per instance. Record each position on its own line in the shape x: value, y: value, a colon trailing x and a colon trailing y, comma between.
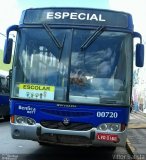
x: 92, y: 137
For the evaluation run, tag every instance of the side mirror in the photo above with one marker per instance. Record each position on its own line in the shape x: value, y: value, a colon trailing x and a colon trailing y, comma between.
x: 8, y: 50
x: 139, y: 55
x: 9, y: 45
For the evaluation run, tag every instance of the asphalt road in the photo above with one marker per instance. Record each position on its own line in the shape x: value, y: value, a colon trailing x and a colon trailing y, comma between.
x: 11, y: 149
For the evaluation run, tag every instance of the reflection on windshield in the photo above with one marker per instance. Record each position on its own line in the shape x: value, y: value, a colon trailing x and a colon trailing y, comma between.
x: 95, y: 74
x: 98, y: 75
x: 39, y: 64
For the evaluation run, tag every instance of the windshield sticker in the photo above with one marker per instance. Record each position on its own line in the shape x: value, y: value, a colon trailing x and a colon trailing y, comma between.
x: 32, y: 91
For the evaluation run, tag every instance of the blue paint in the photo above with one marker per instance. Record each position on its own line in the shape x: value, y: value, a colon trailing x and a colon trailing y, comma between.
x: 81, y: 113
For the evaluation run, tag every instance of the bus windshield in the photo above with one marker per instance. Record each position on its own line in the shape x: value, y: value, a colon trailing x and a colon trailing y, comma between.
x: 98, y: 74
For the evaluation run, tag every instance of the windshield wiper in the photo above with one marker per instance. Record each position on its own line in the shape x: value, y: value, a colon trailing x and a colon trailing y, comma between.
x: 55, y: 40
x: 92, y: 38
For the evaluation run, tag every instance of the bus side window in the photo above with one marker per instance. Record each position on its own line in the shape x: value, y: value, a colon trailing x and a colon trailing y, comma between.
x: 0, y: 85
x: 7, y: 88
x: 4, y: 85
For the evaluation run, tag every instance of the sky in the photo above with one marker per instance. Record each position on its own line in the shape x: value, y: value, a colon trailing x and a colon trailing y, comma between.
x: 11, y: 10
x: 136, y: 8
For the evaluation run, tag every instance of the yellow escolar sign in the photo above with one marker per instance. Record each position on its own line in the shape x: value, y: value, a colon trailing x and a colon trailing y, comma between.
x: 36, y: 87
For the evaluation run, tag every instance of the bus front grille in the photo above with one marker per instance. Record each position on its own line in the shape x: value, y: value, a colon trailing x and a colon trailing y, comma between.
x: 65, y: 139
x: 66, y: 113
x: 71, y: 126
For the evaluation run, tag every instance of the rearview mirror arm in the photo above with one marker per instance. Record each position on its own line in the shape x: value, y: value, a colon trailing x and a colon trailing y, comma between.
x: 137, y: 35
x: 11, y: 28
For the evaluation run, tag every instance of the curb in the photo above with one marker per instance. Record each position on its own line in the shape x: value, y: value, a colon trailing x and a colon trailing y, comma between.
x: 136, y: 125
x: 129, y: 147
x: 131, y: 150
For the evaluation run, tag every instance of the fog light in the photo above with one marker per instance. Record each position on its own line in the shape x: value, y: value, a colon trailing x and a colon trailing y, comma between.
x: 16, y: 133
x: 114, y: 127
x: 20, y: 120
x: 103, y: 127
x: 30, y: 121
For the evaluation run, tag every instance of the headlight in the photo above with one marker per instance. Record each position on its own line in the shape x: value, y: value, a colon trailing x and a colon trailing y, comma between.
x: 114, y: 127
x: 103, y: 127
x: 110, y: 127
x: 24, y: 120
x: 20, y: 119
x: 30, y: 121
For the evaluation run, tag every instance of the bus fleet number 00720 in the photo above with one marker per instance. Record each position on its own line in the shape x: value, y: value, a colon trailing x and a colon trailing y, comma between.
x: 107, y: 114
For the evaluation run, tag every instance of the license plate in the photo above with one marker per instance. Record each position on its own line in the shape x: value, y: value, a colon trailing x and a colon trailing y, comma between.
x: 107, y: 137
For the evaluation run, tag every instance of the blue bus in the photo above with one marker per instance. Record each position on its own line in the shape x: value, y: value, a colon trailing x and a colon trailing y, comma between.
x: 71, y: 79
x: 4, y: 94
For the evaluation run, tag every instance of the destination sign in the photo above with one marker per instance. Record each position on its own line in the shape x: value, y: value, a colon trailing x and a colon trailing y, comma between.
x: 73, y: 16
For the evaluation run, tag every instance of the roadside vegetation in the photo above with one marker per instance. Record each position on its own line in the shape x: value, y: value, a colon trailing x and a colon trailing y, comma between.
x: 3, y: 66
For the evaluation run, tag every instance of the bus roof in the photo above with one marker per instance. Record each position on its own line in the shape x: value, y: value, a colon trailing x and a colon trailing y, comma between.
x: 77, y: 16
